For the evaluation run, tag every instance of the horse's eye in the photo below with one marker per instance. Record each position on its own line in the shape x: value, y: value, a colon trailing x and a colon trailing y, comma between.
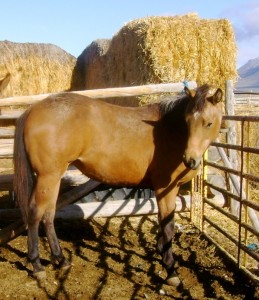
x: 208, y: 125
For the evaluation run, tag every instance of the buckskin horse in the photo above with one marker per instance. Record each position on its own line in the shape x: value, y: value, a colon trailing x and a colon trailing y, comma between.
x: 159, y: 145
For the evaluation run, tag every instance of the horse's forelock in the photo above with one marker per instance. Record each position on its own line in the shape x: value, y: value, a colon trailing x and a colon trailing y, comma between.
x: 200, y: 99
x: 169, y: 103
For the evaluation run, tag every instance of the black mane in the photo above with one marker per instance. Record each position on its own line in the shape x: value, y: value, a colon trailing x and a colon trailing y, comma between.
x: 178, y: 106
x: 200, y: 99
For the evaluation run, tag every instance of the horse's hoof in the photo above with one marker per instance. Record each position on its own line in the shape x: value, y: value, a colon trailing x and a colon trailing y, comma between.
x: 64, y: 270
x: 173, y: 280
x: 65, y: 267
x: 40, y: 275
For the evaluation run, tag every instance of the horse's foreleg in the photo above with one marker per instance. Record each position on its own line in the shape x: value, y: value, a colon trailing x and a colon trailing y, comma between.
x: 166, y: 206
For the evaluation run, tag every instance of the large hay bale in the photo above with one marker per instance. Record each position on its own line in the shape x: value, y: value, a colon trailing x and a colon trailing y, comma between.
x: 162, y: 49
x: 89, y: 63
x: 34, y: 68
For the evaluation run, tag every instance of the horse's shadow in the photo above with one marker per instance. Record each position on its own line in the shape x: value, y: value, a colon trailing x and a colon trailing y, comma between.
x: 92, y: 235
x: 107, y: 250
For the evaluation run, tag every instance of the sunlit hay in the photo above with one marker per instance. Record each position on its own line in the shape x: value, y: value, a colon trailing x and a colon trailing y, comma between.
x: 35, y: 68
x: 164, y: 49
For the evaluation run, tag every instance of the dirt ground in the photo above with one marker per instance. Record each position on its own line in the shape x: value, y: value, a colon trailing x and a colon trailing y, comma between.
x: 116, y: 259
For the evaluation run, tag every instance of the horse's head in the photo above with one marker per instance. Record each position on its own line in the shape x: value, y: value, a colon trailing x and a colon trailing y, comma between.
x: 203, y: 118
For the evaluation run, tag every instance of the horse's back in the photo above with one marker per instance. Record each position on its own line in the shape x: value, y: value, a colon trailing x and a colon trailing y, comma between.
x: 107, y: 142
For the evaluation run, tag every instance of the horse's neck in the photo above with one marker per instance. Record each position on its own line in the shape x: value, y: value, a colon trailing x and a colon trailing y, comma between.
x: 175, y: 116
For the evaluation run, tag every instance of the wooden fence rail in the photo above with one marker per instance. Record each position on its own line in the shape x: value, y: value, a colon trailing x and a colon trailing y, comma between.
x: 247, y: 99
x: 106, y: 93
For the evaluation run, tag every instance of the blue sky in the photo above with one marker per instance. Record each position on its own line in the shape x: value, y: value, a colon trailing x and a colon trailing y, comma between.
x: 74, y: 24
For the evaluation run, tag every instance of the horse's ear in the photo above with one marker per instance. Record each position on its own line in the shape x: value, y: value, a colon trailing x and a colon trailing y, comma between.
x: 189, y: 93
x: 217, y: 97
x: 4, y: 81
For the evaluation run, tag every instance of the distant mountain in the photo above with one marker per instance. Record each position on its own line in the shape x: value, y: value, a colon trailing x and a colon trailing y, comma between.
x: 249, y: 76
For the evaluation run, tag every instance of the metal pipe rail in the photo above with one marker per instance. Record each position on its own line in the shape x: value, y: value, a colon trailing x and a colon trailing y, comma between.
x: 242, y: 179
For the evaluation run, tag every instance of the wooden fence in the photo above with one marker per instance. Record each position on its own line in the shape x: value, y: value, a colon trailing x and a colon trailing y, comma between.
x: 247, y: 98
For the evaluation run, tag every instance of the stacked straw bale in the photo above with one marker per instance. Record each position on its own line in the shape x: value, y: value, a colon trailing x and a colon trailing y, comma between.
x: 34, y: 68
x: 161, y: 49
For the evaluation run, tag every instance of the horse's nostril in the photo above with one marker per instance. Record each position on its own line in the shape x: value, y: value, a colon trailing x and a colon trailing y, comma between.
x: 192, y: 163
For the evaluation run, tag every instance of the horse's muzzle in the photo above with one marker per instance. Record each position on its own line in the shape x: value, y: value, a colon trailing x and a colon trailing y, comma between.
x: 191, y: 162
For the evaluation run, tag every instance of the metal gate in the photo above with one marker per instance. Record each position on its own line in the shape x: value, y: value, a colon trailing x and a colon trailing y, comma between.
x: 233, y: 227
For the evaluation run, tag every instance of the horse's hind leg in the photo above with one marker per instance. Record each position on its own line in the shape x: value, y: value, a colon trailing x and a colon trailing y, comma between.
x: 34, y: 218
x: 56, y: 251
x: 42, y: 204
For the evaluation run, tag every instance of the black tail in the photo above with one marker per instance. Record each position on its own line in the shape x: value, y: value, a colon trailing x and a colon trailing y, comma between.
x: 23, y: 173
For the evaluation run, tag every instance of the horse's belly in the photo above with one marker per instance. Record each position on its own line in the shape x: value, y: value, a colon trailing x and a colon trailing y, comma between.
x: 116, y: 170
